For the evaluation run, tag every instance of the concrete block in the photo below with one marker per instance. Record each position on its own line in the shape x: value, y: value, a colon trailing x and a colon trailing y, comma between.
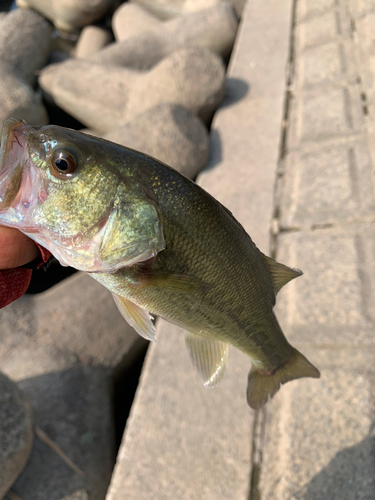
x: 325, y: 114
x: 331, y: 302
x: 16, y: 432
x: 325, y: 185
x: 182, y: 440
x: 319, y: 435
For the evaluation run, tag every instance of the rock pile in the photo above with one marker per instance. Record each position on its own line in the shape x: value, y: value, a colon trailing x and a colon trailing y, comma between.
x: 154, y: 89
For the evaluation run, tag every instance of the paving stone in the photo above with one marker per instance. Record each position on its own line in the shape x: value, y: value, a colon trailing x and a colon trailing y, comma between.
x: 310, y: 8
x: 319, y: 435
x: 182, y: 440
x: 319, y: 30
x: 331, y: 302
x: 325, y: 114
x: 327, y: 63
x: 16, y: 432
x: 324, y: 185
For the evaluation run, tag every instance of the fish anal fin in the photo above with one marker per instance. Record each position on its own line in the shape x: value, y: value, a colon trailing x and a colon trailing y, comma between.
x: 281, y: 274
x: 263, y: 386
x: 209, y: 357
x: 137, y: 317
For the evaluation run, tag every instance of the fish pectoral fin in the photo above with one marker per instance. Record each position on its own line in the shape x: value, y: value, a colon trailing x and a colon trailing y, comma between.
x: 281, y: 274
x: 209, y: 357
x: 137, y: 317
x: 173, y: 281
x: 262, y: 386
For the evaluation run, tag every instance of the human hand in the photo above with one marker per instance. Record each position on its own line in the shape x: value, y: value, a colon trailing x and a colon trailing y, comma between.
x: 16, y: 249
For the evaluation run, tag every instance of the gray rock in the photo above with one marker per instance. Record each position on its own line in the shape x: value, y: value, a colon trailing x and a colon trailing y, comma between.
x: 67, y: 15
x: 192, y: 78
x: 170, y: 134
x: 64, y: 346
x: 19, y: 100
x: 95, y: 95
x: 168, y: 9
x: 214, y: 28
x: 20, y: 58
x: 16, y: 433
x: 28, y: 53
x: 92, y: 39
x: 102, y: 97
x: 131, y: 20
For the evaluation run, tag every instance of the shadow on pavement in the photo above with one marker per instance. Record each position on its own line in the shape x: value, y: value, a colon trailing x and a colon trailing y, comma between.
x: 349, y: 475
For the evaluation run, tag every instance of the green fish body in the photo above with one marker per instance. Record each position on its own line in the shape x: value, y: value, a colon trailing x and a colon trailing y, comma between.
x: 161, y: 244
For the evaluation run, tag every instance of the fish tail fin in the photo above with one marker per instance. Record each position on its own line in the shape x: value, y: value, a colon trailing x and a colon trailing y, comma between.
x: 263, y: 386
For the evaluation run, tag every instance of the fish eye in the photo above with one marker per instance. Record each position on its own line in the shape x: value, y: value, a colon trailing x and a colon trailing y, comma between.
x: 63, y: 164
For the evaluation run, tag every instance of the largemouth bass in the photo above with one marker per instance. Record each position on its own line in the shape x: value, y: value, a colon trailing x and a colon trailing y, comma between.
x: 160, y: 243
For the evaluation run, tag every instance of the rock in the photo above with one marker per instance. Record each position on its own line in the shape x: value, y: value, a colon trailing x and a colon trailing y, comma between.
x: 92, y: 40
x: 63, y: 346
x: 67, y: 15
x: 131, y: 20
x: 20, y: 58
x: 103, y: 97
x: 16, y: 432
x: 170, y: 134
x: 25, y: 54
x: 193, y: 78
x: 168, y: 9
x: 214, y: 28
x: 19, y: 100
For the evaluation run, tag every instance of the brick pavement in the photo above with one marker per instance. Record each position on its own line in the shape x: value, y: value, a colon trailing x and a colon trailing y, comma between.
x: 319, y: 438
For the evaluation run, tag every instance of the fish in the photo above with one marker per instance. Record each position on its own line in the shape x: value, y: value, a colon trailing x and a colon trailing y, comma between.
x: 160, y: 243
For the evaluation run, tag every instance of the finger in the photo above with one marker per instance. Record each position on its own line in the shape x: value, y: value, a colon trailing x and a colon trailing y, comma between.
x: 16, y: 249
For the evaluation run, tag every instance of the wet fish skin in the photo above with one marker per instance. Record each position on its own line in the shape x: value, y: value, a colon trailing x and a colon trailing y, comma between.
x: 186, y: 257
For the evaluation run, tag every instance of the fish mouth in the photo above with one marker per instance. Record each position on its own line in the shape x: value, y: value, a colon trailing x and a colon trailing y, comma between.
x: 13, y: 158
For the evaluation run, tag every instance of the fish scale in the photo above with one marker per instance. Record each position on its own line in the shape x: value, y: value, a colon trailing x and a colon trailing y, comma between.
x: 161, y: 244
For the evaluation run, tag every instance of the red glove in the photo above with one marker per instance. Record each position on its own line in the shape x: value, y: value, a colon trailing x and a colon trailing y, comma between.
x: 14, y: 282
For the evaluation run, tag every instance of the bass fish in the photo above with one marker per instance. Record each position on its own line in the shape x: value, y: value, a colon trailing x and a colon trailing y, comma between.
x: 161, y: 244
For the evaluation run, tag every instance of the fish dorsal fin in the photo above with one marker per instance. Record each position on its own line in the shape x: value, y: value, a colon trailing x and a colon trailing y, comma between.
x: 138, y: 318
x: 209, y: 357
x: 280, y: 273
